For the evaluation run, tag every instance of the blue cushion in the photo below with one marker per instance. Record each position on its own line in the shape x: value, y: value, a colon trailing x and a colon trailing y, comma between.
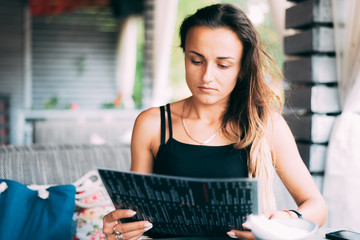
x: 24, y: 215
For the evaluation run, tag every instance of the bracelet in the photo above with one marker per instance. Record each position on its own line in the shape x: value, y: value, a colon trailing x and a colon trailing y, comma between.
x: 297, y: 213
x: 288, y: 213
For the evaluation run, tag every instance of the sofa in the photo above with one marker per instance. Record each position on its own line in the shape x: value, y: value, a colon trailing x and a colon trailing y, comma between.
x: 66, y: 163
x: 63, y: 164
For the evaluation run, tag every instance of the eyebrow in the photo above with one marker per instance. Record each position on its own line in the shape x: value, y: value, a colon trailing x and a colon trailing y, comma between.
x: 200, y: 55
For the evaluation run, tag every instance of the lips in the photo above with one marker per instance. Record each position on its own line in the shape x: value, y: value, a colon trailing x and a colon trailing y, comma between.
x: 207, y: 89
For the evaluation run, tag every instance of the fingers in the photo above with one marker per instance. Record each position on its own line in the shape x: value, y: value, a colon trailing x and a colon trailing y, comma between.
x: 113, y: 228
x: 111, y: 237
x: 280, y: 214
x: 245, y: 235
x: 118, y: 214
x: 133, y: 234
x: 112, y: 218
x: 129, y: 230
x: 246, y: 226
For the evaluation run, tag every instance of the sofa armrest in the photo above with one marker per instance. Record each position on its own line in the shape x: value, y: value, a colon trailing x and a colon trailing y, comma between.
x: 60, y: 164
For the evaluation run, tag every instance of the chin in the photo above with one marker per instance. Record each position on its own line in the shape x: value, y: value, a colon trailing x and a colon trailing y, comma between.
x: 208, y: 100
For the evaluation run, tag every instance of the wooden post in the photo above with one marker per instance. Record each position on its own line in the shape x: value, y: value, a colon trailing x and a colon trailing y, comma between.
x: 312, y: 101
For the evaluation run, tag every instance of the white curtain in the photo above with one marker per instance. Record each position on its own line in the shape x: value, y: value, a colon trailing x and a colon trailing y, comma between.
x: 342, y: 173
x: 277, y: 12
x: 126, y: 61
x: 164, y: 27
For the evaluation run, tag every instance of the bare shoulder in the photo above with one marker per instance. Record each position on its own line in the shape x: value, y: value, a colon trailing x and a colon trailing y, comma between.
x: 275, y: 122
x: 148, y: 116
x: 277, y: 129
x: 145, y: 134
x: 153, y: 114
x: 147, y: 124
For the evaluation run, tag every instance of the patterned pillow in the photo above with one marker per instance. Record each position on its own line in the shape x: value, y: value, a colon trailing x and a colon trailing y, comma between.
x: 88, y: 221
x: 92, y: 204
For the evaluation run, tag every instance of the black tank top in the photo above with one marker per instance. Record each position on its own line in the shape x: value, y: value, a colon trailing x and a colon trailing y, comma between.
x: 186, y: 160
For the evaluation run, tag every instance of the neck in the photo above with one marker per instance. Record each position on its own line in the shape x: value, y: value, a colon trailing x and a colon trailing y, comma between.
x: 204, y: 112
x: 203, y: 120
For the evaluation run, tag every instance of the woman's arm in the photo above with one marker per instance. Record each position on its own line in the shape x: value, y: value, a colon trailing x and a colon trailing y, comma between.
x: 145, y: 140
x: 143, y: 150
x: 293, y: 172
x: 295, y: 176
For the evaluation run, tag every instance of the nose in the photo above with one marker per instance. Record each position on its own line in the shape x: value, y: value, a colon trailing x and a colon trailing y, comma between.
x: 209, y: 73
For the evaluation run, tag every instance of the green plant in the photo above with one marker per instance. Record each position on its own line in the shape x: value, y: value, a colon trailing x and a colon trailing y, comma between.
x: 51, y: 103
x: 107, y: 106
x: 137, y: 94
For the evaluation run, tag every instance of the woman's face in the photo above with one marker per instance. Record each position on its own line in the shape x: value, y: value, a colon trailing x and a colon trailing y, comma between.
x: 212, y: 63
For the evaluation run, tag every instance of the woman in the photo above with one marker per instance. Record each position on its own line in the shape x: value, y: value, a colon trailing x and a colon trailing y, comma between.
x: 231, y: 126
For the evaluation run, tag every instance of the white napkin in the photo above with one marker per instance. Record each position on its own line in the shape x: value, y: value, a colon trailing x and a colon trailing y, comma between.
x: 271, y: 229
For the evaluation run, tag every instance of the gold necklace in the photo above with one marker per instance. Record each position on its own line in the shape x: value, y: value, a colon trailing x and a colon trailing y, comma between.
x: 187, y: 132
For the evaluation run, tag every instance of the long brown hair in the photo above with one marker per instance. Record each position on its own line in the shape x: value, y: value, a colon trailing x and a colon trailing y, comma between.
x: 252, y: 100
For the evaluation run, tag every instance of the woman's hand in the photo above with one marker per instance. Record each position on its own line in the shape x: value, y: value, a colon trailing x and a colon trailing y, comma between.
x: 282, y: 214
x: 247, y: 235
x: 114, y: 229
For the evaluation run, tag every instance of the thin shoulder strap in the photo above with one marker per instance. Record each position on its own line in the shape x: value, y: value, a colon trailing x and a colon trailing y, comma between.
x: 169, y: 119
x: 163, y: 125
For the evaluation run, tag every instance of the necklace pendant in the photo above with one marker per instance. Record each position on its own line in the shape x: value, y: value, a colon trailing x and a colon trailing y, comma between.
x: 188, y: 134
x: 198, y: 142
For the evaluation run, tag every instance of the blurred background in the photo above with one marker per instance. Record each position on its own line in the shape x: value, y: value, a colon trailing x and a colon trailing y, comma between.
x: 101, y: 60
x: 80, y: 71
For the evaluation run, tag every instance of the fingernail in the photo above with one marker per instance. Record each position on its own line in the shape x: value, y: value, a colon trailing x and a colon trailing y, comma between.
x: 131, y: 212
x: 148, y: 226
x: 231, y: 234
x: 246, y: 225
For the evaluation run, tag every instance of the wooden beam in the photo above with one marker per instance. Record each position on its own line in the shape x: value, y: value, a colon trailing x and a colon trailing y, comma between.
x: 314, y: 128
x: 295, y: 0
x: 318, y: 99
x: 307, y: 13
x: 313, y: 155
x: 314, y: 69
x: 311, y: 41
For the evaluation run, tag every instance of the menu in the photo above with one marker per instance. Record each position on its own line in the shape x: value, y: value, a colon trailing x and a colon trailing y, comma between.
x: 180, y: 206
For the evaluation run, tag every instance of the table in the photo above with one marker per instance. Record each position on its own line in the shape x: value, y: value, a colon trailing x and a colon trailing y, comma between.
x: 319, y: 235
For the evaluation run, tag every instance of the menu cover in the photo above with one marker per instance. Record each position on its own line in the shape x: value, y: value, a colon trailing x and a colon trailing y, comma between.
x: 180, y: 206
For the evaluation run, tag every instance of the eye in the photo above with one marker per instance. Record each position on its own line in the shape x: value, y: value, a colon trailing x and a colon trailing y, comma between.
x: 196, y: 62
x: 222, y: 66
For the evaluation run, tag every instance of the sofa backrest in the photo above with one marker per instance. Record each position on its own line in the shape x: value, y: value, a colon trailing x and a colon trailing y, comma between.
x: 64, y: 164
x: 60, y: 164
